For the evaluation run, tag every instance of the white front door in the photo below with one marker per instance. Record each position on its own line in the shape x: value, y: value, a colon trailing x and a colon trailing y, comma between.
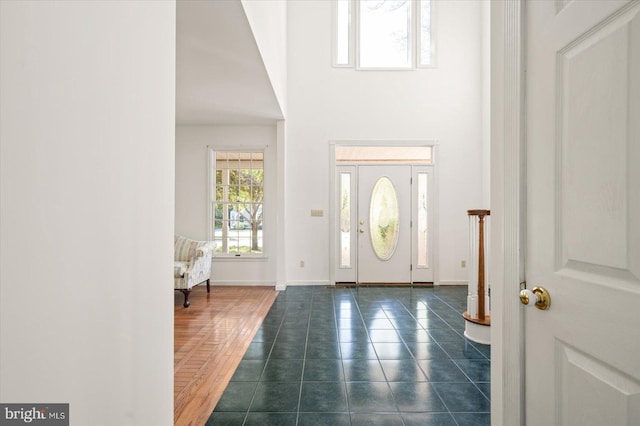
x: 372, y: 248
x: 582, y: 355
x: 384, y: 224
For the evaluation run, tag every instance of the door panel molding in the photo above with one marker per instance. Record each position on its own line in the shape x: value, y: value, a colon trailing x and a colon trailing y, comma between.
x: 613, y: 396
x: 608, y: 168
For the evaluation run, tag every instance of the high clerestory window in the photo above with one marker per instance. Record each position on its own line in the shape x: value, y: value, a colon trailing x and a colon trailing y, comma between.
x: 383, y: 34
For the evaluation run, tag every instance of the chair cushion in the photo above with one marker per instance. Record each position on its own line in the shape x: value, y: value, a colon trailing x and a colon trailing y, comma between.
x: 179, y: 269
x: 184, y: 248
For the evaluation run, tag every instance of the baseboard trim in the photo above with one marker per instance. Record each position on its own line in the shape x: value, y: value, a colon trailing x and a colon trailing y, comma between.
x: 247, y: 283
x: 407, y: 285
x: 243, y: 283
x: 303, y: 283
x: 463, y: 282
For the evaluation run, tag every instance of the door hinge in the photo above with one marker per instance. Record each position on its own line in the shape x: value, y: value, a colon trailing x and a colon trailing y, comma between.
x: 410, y: 267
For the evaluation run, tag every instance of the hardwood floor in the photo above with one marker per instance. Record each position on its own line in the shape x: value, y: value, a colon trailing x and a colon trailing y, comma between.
x: 210, y: 338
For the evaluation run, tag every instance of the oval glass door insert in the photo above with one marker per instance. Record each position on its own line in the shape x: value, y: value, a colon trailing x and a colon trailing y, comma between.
x: 383, y: 218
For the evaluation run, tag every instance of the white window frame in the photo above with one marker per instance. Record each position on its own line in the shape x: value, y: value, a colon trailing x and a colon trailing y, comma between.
x: 351, y: 34
x: 432, y: 63
x: 211, y: 199
x: 354, y: 38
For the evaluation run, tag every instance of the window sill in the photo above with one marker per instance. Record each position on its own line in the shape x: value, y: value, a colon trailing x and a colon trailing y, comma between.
x: 233, y: 258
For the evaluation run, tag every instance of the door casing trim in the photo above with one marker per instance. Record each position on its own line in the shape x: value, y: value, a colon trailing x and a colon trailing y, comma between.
x: 507, y: 210
x: 332, y: 196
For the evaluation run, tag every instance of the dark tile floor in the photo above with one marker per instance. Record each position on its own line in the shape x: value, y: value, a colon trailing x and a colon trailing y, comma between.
x: 361, y: 356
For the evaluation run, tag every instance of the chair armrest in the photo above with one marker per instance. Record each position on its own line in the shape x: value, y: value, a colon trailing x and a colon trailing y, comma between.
x: 206, y: 249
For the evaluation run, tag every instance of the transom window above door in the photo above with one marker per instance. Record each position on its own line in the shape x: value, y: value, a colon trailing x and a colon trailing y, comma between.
x: 361, y: 154
x: 383, y: 34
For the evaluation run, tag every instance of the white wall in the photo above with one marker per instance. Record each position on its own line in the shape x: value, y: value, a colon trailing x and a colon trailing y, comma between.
x: 192, y: 194
x: 86, y: 224
x: 325, y: 103
x: 268, y: 21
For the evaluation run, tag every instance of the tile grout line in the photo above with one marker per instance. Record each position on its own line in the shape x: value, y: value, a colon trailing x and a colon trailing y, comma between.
x: 304, y: 359
x: 416, y: 361
x: 450, y: 358
x: 344, y: 375
x: 255, y: 391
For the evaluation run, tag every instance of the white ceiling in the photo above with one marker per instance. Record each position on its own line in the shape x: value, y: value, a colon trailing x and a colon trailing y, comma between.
x: 220, y: 75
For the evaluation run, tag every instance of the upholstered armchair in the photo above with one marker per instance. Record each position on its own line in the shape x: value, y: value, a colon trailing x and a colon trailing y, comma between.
x: 192, y: 265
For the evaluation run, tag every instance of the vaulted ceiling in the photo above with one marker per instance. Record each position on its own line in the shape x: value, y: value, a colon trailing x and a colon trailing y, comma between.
x: 220, y: 76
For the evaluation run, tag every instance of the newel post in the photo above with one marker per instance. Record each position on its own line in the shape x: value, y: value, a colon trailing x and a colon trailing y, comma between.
x: 477, y: 315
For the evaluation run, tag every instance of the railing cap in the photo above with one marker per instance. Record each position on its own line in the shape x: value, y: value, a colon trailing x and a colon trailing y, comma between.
x: 479, y: 212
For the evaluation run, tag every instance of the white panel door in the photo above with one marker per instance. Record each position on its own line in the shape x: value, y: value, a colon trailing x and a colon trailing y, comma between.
x: 384, y: 224
x: 583, y: 212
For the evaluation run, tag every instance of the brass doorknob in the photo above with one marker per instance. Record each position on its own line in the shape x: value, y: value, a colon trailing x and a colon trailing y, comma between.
x: 539, y: 297
x: 361, y: 231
